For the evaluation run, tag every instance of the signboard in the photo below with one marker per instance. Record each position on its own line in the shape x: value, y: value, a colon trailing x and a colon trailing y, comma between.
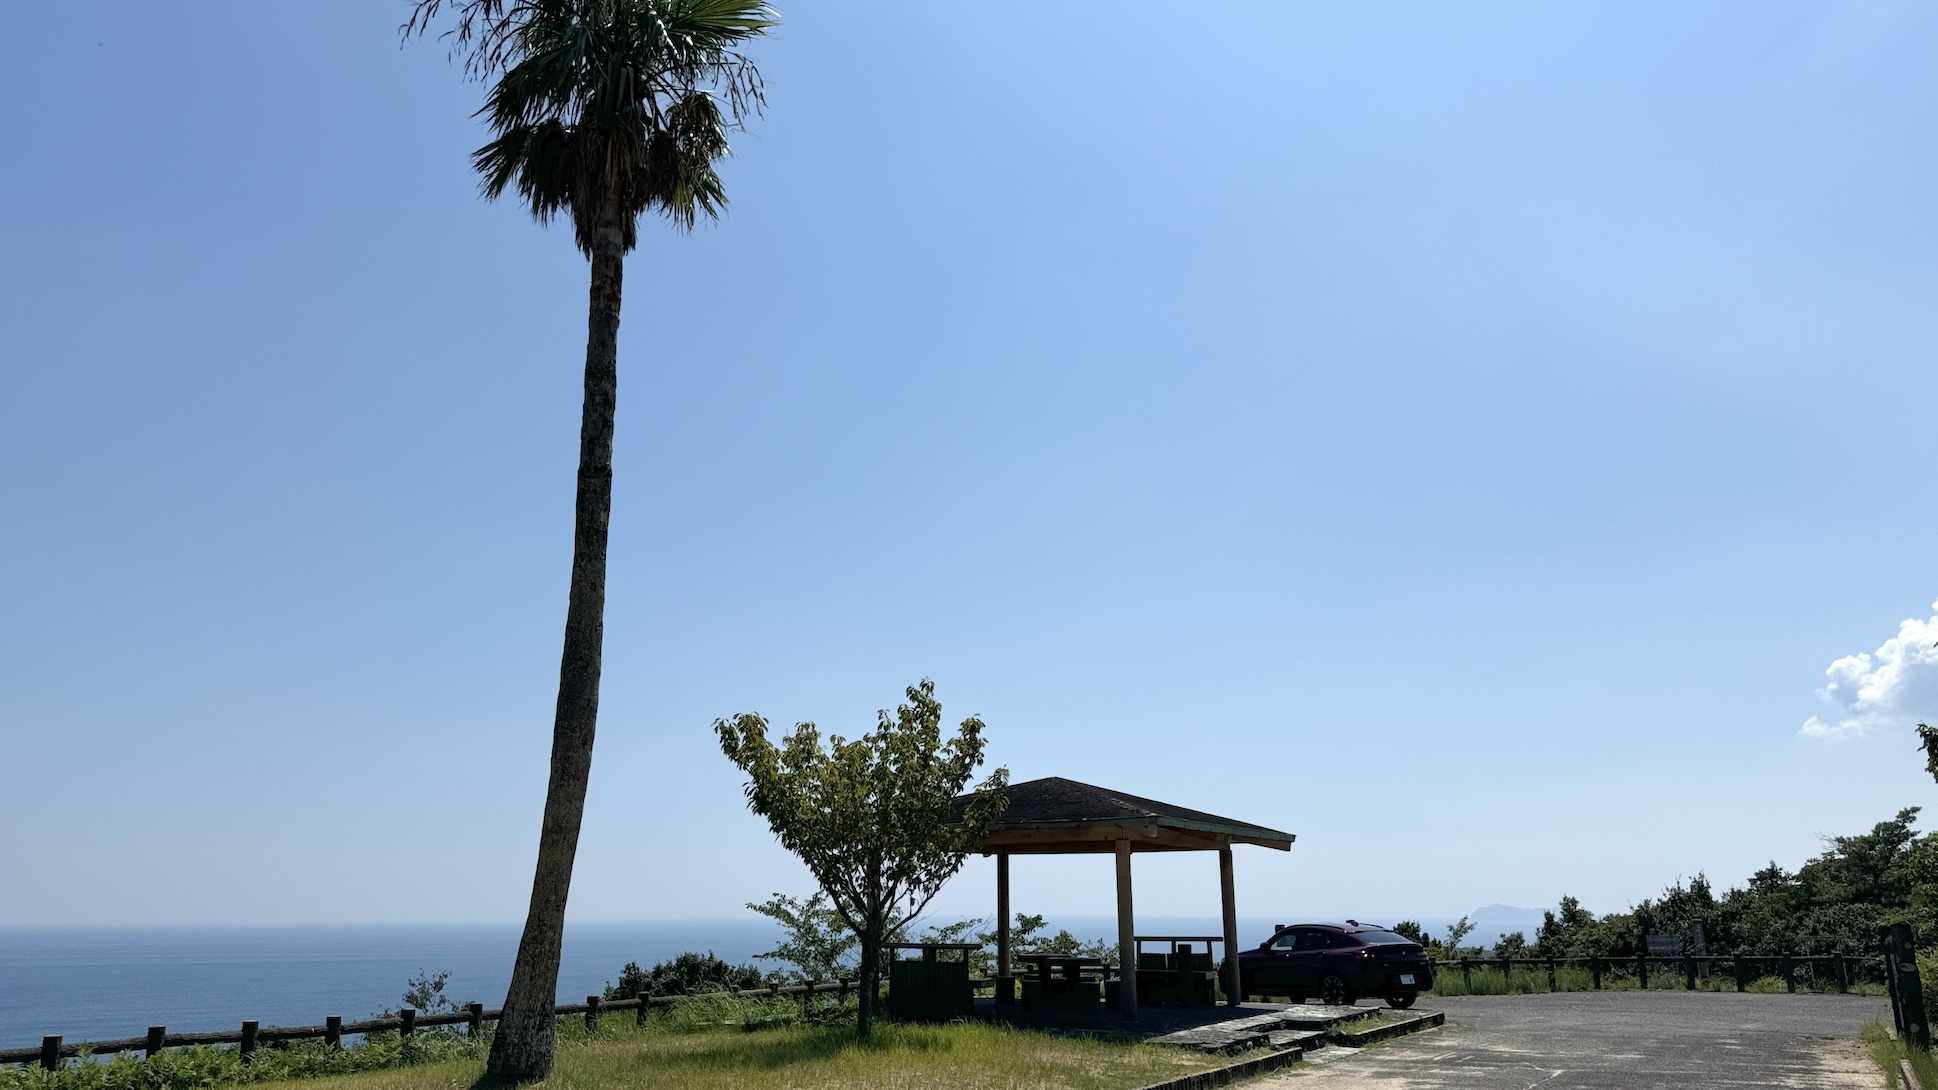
x: 1665, y: 946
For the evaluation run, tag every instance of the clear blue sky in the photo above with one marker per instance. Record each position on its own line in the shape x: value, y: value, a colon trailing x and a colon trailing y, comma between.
x: 1463, y: 436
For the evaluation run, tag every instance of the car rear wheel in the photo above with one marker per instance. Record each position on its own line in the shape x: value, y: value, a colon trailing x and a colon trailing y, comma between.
x: 1401, y: 1001
x: 1333, y: 991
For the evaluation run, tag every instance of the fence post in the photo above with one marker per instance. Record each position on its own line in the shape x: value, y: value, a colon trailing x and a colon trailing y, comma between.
x: 1843, y: 976
x: 1689, y: 972
x: 333, y: 1031
x: 157, y: 1037
x: 407, y: 1021
x: 1736, y: 966
x: 640, y: 1018
x: 50, y: 1053
x: 592, y: 1012
x: 1642, y: 971
x: 842, y: 995
x: 1907, y: 989
x: 247, y: 1049
x: 475, y: 1025
x: 1507, y: 975
x: 1595, y: 969
x: 807, y: 998
x: 1467, y: 975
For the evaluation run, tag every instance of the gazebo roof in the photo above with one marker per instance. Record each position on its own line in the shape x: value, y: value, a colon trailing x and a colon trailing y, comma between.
x: 1055, y: 816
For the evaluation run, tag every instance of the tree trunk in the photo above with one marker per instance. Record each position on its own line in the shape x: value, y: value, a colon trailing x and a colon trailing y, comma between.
x: 871, y: 978
x: 521, y: 1049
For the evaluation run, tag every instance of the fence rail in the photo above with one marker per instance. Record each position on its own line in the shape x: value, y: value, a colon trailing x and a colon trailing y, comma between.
x: 53, y: 1050
x: 1690, y: 966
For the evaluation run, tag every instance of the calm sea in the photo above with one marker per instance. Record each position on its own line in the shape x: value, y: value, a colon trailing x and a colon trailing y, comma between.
x: 103, y: 983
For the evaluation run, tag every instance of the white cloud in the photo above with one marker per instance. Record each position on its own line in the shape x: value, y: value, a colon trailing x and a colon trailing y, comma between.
x: 1889, y: 689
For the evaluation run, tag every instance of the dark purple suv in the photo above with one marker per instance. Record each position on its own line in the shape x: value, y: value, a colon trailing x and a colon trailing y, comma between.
x: 1337, y: 963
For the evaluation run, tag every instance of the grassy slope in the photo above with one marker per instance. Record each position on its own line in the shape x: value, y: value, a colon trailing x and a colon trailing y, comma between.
x: 1887, y: 1052
x: 956, y: 1057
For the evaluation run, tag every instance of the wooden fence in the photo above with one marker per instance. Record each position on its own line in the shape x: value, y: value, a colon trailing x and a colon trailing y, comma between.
x: 1690, y: 967
x: 53, y: 1050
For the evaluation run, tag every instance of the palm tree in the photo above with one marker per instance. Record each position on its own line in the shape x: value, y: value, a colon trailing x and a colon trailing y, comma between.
x: 603, y: 110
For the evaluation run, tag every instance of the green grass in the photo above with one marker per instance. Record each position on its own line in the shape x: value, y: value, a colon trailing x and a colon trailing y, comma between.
x: 960, y: 1056
x: 704, y: 1044
x: 1887, y: 1052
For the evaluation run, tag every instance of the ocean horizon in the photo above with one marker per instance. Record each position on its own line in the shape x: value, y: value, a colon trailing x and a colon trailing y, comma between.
x: 101, y: 983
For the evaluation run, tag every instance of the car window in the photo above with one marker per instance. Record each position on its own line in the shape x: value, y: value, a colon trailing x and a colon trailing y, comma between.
x: 1283, y: 940
x: 1380, y: 938
x: 1312, y: 940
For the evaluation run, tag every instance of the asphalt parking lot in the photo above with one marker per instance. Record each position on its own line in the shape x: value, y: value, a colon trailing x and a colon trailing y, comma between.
x: 1617, y: 1041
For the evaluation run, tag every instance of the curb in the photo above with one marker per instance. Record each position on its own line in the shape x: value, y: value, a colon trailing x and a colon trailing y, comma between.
x: 1230, y: 1073
x: 1388, y: 1032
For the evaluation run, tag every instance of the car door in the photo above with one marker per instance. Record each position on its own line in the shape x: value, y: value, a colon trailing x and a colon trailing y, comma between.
x: 1301, y: 961
x: 1273, y: 975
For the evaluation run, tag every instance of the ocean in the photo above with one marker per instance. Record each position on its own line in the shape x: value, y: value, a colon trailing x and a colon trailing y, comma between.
x: 101, y: 983
x: 96, y: 984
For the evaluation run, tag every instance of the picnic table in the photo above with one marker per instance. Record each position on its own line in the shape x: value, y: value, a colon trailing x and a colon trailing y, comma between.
x: 1062, y: 982
x: 1180, y: 976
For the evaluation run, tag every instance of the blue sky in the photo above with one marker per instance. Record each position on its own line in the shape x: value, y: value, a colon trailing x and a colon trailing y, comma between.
x: 1462, y: 436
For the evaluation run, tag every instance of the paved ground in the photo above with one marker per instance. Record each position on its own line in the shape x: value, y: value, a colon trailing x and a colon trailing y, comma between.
x: 1616, y: 1041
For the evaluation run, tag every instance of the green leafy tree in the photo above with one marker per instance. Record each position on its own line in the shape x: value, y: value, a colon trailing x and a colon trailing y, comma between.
x: 1511, y: 945
x: 814, y: 937
x: 874, y: 819
x: 601, y: 111
x: 689, y: 973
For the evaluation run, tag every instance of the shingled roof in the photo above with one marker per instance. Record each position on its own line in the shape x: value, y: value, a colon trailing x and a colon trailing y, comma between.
x: 1058, y: 815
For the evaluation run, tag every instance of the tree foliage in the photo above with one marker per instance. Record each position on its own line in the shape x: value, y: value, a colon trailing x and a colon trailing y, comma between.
x: 875, y: 818
x: 688, y: 973
x: 1833, y: 904
x: 815, y: 939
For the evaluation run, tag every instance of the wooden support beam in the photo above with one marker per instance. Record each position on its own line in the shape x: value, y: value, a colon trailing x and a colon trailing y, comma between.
x: 1005, y: 980
x: 1126, y: 937
x: 1228, y: 894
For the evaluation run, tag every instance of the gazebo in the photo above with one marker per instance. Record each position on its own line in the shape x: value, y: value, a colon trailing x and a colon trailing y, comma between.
x: 1055, y: 816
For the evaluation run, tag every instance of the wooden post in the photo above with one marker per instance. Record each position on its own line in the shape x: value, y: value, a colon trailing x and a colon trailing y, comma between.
x: 476, y: 1024
x: 1595, y: 970
x: 50, y: 1053
x: 247, y: 1049
x: 591, y: 1012
x: 1642, y: 971
x: 1843, y: 976
x: 1736, y: 966
x: 157, y: 1037
x: 639, y: 1016
x: 1467, y: 974
x: 1228, y: 892
x: 1552, y: 986
x: 842, y: 995
x: 1896, y: 943
x: 333, y: 1031
x: 1005, y: 975
x: 1126, y: 937
x: 1688, y: 972
x: 1507, y: 975
x: 407, y: 1021
x: 1789, y: 975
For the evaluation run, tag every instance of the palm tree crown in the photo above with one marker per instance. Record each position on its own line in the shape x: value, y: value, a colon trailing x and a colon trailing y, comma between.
x: 605, y: 110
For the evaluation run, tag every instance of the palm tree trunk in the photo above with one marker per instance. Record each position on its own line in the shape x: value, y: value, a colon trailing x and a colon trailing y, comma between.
x: 521, y: 1049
